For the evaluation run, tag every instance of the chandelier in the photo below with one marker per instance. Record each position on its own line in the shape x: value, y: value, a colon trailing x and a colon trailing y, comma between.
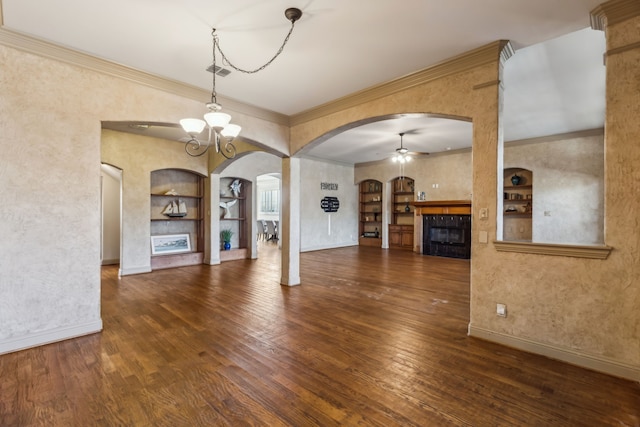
x: 221, y: 132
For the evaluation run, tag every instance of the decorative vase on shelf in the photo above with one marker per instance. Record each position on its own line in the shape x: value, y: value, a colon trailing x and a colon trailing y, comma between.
x: 515, y: 180
x: 407, y: 208
x: 227, y: 246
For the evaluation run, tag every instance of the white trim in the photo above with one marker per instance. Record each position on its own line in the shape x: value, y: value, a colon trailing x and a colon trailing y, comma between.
x: 135, y: 270
x: 332, y: 246
x: 596, y: 363
x: 50, y: 336
x: 212, y: 261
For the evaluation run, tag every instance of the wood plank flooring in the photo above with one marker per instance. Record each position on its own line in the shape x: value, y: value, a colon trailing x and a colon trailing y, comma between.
x: 371, y: 338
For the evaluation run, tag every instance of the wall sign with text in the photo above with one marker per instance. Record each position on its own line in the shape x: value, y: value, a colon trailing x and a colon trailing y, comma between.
x: 329, y: 186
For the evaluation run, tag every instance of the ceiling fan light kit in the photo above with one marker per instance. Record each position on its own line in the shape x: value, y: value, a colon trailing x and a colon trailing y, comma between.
x: 218, y: 123
x: 401, y: 155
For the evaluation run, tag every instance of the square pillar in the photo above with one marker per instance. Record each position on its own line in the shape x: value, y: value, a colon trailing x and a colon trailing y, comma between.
x: 290, y: 227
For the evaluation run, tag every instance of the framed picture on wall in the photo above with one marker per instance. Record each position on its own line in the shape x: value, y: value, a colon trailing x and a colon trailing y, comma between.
x: 170, y: 244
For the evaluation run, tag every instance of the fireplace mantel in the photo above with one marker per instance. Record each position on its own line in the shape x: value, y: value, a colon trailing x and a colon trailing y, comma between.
x: 462, y: 207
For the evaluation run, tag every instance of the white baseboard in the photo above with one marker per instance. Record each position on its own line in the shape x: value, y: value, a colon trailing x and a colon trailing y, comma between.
x: 596, y: 363
x: 323, y: 247
x: 136, y: 270
x: 212, y: 261
x: 46, y: 337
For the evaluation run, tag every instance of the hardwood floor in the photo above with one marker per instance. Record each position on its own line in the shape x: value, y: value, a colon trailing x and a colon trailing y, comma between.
x: 371, y: 338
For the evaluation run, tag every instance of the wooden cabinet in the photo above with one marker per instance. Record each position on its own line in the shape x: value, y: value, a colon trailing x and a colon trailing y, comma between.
x: 233, y: 216
x: 401, y: 236
x: 370, y: 221
x: 517, y: 204
x: 184, y: 190
x: 401, y: 227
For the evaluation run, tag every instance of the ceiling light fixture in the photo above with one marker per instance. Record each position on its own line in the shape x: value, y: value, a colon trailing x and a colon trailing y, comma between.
x: 219, y: 128
x: 401, y: 155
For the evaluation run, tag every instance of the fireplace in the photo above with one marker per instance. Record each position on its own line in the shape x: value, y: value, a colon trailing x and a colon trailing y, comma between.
x: 447, y: 235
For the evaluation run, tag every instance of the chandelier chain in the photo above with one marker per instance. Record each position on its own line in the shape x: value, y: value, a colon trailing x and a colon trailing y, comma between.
x: 226, y: 60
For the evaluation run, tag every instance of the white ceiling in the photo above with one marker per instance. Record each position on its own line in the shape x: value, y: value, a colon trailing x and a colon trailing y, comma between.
x: 342, y: 46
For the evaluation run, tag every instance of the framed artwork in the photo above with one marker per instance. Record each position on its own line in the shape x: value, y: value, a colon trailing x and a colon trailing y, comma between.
x: 170, y: 244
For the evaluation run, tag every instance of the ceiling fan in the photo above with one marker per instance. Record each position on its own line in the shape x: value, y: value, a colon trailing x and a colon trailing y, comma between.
x: 402, y: 154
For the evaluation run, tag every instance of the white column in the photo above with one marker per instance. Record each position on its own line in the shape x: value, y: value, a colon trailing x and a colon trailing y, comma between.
x: 290, y: 226
x: 252, y: 217
x: 214, y: 219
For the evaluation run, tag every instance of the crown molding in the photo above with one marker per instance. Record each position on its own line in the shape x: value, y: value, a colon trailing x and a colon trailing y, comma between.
x: 499, y: 50
x: 614, y: 12
x: 557, y: 137
x: 576, y: 251
x: 49, y: 50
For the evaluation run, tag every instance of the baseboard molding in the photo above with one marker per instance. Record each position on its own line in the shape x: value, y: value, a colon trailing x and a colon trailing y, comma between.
x: 596, y: 363
x: 47, y: 337
x: 111, y: 261
x: 136, y: 270
x: 323, y: 247
x: 212, y: 261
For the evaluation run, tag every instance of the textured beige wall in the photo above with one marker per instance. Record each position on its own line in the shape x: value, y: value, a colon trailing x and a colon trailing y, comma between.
x: 137, y: 156
x: 50, y: 175
x: 427, y: 173
x: 586, y: 307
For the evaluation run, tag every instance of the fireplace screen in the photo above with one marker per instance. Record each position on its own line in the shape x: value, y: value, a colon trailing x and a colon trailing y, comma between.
x: 451, y: 236
x: 447, y: 235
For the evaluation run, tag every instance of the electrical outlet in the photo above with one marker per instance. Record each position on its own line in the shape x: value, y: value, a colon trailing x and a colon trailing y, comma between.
x: 501, y: 310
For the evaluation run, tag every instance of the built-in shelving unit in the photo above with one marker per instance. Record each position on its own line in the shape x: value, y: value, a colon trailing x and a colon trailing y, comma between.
x: 235, y: 216
x: 402, y: 211
x: 370, y: 224
x: 517, y: 204
x: 186, y: 188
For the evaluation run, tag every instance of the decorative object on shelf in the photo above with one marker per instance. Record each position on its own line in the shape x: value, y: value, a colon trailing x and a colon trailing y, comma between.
x: 377, y: 233
x: 225, y: 236
x: 235, y: 187
x: 218, y: 124
x: 175, y: 209
x: 171, y: 192
x: 330, y: 204
x: 226, y: 206
x: 170, y: 244
x: 422, y: 196
x: 515, y: 179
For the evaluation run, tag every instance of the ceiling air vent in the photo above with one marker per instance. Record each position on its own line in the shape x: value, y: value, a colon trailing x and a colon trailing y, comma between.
x: 222, y: 72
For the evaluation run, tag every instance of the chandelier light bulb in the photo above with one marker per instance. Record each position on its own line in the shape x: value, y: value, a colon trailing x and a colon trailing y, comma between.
x: 217, y: 120
x: 230, y: 131
x: 193, y: 126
